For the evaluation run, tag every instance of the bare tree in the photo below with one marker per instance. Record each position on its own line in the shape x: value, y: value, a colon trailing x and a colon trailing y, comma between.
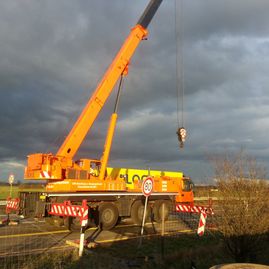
x: 243, y: 205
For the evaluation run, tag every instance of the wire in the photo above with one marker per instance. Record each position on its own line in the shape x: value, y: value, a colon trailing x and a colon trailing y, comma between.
x: 118, y: 94
x: 180, y: 83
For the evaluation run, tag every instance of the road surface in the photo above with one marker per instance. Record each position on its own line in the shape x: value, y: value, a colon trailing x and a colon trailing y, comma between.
x: 31, y: 236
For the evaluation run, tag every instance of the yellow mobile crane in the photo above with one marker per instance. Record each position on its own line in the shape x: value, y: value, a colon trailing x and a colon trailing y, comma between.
x: 113, y: 192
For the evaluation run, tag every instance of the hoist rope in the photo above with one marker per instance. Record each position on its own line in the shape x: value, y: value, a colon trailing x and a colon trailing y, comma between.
x: 180, y: 88
x: 118, y: 94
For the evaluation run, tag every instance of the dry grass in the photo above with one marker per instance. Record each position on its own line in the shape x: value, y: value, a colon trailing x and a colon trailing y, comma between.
x: 178, y: 252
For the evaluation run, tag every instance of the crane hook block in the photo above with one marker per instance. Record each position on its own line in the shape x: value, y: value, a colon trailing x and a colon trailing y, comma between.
x: 181, y: 134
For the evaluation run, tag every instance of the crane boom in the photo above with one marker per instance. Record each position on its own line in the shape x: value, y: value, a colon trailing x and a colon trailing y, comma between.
x: 105, y: 87
x: 102, y: 92
x: 61, y: 165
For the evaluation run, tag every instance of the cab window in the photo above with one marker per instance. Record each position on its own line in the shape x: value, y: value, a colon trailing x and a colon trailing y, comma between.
x: 187, y: 185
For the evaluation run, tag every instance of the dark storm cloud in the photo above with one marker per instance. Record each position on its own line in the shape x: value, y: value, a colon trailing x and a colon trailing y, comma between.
x: 53, y: 53
x: 208, y: 17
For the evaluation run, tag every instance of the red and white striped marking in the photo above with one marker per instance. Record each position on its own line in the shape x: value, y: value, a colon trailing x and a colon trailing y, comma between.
x: 204, y: 211
x: 202, y: 222
x: 84, y: 218
x: 66, y: 209
x: 12, y: 204
x: 193, y: 209
x: 45, y: 174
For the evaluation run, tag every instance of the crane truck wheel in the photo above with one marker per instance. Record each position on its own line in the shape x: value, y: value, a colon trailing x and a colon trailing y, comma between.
x: 108, y: 216
x: 158, y: 213
x: 72, y: 224
x: 57, y: 221
x: 137, y: 212
x: 54, y: 221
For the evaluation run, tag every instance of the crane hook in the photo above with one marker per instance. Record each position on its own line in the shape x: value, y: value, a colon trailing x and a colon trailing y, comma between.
x: 182, y: 134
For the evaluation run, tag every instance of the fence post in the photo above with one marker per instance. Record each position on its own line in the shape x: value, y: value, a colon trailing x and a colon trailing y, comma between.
x: 144, y: 215
x: 162, y: 234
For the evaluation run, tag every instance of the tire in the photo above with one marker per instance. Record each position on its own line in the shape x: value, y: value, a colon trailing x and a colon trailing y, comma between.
x: 58, y: 221
x: 108, y: 216
x: 72, y: 224
x: 119, y: 220
x: 49, y: 221
x: 157, y: 210
x: 54, y: 221
x: 67, y: 223
x: 137, y: 212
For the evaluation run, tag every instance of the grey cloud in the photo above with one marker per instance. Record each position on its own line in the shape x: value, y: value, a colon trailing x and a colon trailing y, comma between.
x: 54, y: 53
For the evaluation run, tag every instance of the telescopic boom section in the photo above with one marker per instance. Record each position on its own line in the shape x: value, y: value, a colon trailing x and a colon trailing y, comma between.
x: 102, y: 92
x: 105, y: 87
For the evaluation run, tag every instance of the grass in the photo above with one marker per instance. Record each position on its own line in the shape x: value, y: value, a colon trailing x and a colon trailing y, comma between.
x: 170, y: 252
x: 179, y: 251
x: 5, y: 190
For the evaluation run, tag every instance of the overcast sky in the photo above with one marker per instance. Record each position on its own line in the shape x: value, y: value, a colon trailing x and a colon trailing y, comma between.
x: 53, y: 53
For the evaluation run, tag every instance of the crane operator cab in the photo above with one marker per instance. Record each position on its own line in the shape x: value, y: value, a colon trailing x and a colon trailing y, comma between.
x: 187, y: 184
x: 91, y: 166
